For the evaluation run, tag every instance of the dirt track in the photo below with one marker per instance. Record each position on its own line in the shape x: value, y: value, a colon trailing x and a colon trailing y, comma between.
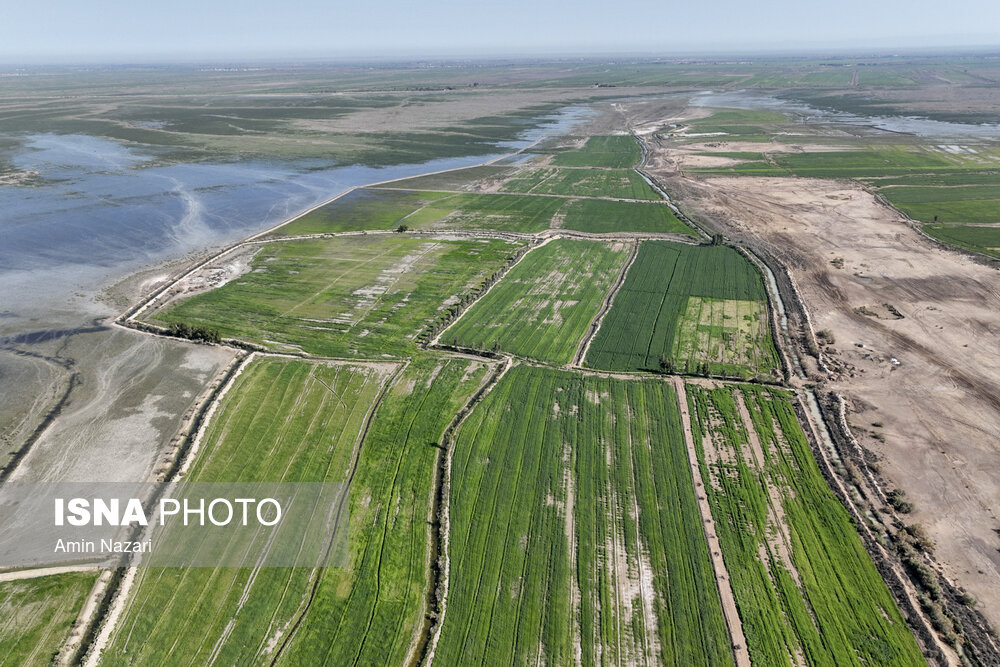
x: 924, y: 389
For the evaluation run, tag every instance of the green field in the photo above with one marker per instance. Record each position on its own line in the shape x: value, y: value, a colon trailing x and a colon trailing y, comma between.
x: 302, y: 421
x: 311, y: 416
x: 347, y: 296
x: 575, y: 536
x: 688, y: 306
x: 618, y: 183
x: 543, y: 306
x: 367, y: 613
x: 865, y: 162
x: 971, y: 237
x: 615, y: 152
x: 805, y: 587
x: 363, y: 208
x: 457, y: 179
x: 966, y: 204
x: 603, y: 217
x: 501, y: 212
x: 36, y: 616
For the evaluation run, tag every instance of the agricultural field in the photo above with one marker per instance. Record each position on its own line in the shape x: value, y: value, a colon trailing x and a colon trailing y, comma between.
x: 575, y: 535
x: 315, y: 416
x: 597, y: 216
x: 543, y: 306
x: 806, y: 589
x: 984, y: 239
x: 735, y: 124
x: 499, y: 212
x: 36, y: 615
x: 617, y: 183
x: 961, y: 204
x: 303, y: 421
x: 457, y: 179
x: 613, y: 152
x: 364, y: 208
x: 687, y: 309
x: 370, y: 612
x: 345, y: 296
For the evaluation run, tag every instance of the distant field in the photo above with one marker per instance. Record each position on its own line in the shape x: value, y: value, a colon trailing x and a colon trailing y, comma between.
x: 605, y: 217
x: 345, y: 297
x: 967, y: 204
x: 360, y: 209
x: 617, y: 183
x: 458, y: 179
x: 616, y: 152
x: 866, y: 162
x: 36, y: 615
x: 543, y: 306
x: 805, y: 586
x: 687, y: 306
x: 575, y: 537
x: 501, y: 212
x: 972, y: 237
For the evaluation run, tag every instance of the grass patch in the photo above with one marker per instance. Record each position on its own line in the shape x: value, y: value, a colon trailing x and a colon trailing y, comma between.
x: 38, y: 614
x: 565, y: 489
x: 605, y: 217
x: 616, y: 152
x: 360, y: 209
x: 806, y: 587
x: 344, y: 297
x: 654, y: 319
x: 542, y: 307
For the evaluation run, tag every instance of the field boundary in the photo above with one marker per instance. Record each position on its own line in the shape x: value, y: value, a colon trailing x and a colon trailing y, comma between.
x: 425, y: 654
x: 595, y: 323
x: 738, y: 641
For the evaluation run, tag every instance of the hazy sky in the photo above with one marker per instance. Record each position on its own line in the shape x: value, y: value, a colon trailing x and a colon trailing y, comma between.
x: 39, y: 30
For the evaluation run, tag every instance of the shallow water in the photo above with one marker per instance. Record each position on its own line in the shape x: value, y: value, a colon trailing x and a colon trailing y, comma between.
x: 103, y: 210
x: 923, y: 127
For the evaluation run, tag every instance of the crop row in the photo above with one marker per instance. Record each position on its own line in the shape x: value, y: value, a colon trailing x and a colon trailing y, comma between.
x: 543, y: 306
x: 804, y: 585
x: 575, y: 536
x: 638, y: 332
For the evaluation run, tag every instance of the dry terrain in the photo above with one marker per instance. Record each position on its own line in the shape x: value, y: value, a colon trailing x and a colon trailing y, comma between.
x: 923, y: 385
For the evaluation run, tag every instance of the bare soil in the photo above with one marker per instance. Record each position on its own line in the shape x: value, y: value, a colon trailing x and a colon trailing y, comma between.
x: 923, y: 389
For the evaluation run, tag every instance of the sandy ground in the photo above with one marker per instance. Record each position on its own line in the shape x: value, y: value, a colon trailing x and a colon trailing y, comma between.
x: 930, y: 378
x: 135, y: 391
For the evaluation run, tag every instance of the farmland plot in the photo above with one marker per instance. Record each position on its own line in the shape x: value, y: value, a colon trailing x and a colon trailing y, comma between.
x: 806, y: 589
x: 575, y: 536
x: 364, y: 208
x: 345, y: 297
x: 616, y: 152
x: 542, y: 307
x: 369, y: 612
x: 290, y: 421
x: 311, y: 416
x: 36, y: 615
x: 604, y: 217
x: 618, y: 183
x: 683, y: 307
x: 498, y: 212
